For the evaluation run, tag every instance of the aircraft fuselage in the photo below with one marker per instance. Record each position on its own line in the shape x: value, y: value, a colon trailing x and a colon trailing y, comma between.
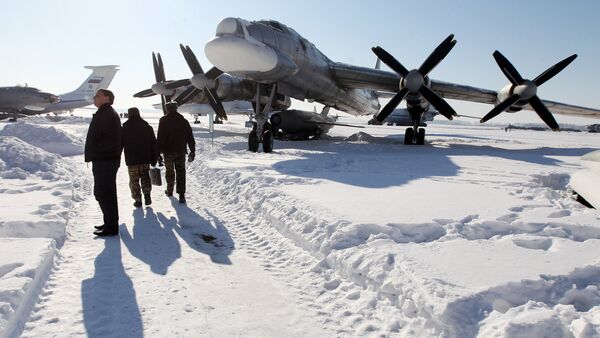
x: 17, y: 99
x: 270, y: 52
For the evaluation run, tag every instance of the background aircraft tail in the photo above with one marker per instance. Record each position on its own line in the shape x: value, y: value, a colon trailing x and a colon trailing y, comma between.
x: 100, y: 78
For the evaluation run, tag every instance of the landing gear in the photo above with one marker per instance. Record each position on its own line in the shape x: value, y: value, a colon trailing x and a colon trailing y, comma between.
x: 410, y: 137
x: 253, y: 141
x: 421, y: 136
x: 267, y: 138
x: 262, y: 130
x: 268, y: 141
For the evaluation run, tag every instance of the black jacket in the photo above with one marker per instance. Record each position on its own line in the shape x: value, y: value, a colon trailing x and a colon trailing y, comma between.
x: 139, y: 143
x: 174, y: 133
x: 103, y: 140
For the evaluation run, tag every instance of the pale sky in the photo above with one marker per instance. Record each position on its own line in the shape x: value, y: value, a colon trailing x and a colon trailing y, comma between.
x: 47, y: 43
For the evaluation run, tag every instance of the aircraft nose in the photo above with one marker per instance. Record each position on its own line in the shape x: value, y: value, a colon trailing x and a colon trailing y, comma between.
x: 236, y: 54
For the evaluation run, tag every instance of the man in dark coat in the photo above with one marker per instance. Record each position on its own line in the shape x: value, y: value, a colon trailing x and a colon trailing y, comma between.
x: 139, y: 145
x: 174, y: 134
x: 103, y: 148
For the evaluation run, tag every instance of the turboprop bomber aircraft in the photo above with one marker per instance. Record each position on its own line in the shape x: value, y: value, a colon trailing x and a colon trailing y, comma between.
x: 275, y: 61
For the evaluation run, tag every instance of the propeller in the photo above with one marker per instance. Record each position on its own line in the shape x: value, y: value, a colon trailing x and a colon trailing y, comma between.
x: 201, y: 81
x: 160, y: 87
x: 525, y: 91
x: 414, y: 81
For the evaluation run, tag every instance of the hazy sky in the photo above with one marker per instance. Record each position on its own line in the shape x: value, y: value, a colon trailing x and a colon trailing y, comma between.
x: 47, y: 43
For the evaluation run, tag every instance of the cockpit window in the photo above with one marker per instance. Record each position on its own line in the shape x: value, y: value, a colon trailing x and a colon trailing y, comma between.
x: 273, y: 24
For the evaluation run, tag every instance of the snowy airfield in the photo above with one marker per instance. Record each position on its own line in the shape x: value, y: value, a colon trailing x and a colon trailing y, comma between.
x: 474, y: 234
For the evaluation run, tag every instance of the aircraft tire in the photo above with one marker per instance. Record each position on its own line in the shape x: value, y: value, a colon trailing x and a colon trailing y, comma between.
x: 252, y: 141
x: 421, y: 136
x: 268, y: 141
x: 408, y: 136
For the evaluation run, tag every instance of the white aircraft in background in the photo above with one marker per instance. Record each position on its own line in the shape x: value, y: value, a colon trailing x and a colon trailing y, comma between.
x: 14, y: 103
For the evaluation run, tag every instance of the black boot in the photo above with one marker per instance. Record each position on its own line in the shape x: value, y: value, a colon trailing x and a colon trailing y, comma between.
x: 147, y: 199
x: 137, y: 204
x: 168, y: 193
x: 107, y: 232
x: 181, y: 198
x: 99, y: 227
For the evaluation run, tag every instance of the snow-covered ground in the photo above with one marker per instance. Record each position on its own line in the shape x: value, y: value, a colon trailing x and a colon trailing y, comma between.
x: 473, y: 234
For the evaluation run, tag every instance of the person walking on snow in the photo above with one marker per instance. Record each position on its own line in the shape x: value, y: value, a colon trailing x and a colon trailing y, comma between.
x: 174, y: 134
x: 103, y: 148
x: 139, y: 146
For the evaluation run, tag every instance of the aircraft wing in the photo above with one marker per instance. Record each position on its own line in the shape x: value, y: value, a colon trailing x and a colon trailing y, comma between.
x: 386, y: 82
x: 350, y: 76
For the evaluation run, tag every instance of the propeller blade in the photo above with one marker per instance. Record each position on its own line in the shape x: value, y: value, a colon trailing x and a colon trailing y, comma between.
x: 501, y: 107
x: 161, y: 69
x: 144, y: 93
x: 213, y: 73
x: 162, y: 103
x: 543, y: 112
x: 552, y: 71
x: 186, y: 95
x: 177, y: 84
x: 215, y: 103
x: 437, y: 102
x: 508, y: 69
x: 390, y: 106
x: 156, y: 70
x: 191, y: 60
x: 438, y: 54
x: 389, y: 60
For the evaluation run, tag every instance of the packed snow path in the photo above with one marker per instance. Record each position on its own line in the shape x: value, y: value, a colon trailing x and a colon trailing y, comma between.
x: 165, y: 276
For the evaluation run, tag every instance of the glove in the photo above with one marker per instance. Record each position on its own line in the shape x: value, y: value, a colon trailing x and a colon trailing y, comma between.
x: 191, y: 157
x: 160, y: 161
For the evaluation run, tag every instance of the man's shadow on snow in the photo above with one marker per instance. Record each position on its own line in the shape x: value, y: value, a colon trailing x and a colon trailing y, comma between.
x: 109, y: 305
x: 150, y: 242
x: 202, y: 235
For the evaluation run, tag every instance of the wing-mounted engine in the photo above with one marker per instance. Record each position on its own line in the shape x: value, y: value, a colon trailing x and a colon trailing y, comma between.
x: 521, y: 91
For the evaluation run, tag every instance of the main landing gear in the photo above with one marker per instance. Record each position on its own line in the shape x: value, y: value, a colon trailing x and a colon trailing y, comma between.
x: 262, y: 131
x: 410, y: 137
x: 267, y: 138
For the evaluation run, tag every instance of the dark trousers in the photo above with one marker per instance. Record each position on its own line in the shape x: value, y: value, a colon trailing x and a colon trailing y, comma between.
x: 175, y: 172
x: 105, y: 191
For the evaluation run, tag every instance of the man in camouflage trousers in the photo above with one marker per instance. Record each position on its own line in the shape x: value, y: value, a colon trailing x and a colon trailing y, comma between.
x: 139, y: 144
x: 174, y: 134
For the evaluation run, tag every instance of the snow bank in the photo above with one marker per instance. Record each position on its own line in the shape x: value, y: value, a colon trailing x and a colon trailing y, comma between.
x: 36, y: 194
x: 445, y: 276
x: 24, y: 268
x: 49, y: 138
x: 19, y: 159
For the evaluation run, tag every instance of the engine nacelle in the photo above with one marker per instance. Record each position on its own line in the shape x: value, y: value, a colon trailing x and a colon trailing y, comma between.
x: 234, y: 88
x: 504, y: 94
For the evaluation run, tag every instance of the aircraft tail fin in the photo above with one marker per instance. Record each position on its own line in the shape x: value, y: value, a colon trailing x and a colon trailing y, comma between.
x: 100, y: 78
x: 378, y: 64
x: 325, y: 111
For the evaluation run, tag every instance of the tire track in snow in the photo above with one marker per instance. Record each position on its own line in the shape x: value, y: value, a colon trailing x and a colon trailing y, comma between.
x: 333, y: 299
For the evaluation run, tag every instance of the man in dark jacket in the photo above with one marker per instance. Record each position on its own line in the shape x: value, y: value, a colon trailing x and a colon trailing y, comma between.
x: 174, y: 133
x: 139, y: 145
x: 103, y: 148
